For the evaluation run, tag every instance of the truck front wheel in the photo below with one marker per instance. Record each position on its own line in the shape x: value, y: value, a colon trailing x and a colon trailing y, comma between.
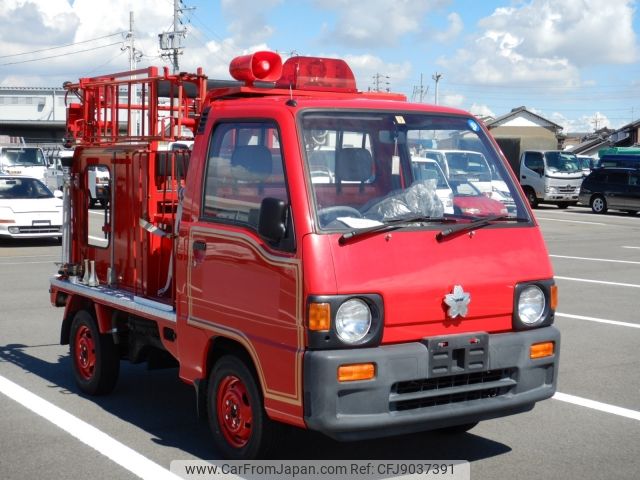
x: 95, y: 358
x: 241, y: 428
x: 531, y: 197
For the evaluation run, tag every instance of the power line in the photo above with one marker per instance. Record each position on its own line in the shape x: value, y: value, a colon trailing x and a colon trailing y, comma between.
x: 61, y: 46
x: 61, y: 54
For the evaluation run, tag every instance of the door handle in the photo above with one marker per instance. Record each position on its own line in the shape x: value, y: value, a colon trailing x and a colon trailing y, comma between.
x: 199, y: 252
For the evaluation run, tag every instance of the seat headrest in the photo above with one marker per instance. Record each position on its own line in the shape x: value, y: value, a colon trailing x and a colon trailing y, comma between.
x: 354, y: 164
x: 252, y: 162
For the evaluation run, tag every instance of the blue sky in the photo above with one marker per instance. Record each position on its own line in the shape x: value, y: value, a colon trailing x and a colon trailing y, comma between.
x: 572, y: 61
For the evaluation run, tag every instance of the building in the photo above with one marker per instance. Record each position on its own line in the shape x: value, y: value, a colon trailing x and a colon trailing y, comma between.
x: 521, y: 129
x: 36, y: 114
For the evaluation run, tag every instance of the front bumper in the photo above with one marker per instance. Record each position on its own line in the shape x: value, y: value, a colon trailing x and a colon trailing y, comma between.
x: 406, y: 396
x: 30, y: 231
x: 560, y: 197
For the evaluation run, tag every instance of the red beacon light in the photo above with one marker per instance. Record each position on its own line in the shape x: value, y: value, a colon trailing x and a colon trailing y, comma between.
x: 315, y: 73
x: 260, y: 66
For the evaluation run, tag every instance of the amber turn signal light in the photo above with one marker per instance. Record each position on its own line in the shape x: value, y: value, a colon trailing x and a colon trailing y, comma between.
x: 541, y: 350
x: 554, y: 297
x: 356, y: 371
x: 319, y: 317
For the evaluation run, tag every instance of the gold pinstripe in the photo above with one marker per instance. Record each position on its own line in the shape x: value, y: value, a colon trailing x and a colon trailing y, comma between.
x: 239, y: 336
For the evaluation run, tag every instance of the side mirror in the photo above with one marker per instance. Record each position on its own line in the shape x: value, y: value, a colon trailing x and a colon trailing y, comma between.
x: 272, y: 220
x: 58, y: 194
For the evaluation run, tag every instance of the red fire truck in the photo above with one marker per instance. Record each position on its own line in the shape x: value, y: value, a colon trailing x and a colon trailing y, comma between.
x: 290, y: 264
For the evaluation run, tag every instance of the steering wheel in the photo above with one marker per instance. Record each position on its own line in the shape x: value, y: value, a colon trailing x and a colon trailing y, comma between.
x: 329, y: 214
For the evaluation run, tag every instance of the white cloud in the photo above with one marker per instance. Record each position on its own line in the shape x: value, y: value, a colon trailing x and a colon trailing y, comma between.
x: 455, y: 27
x: 481, y: 110
x: 585, y: 32
x: 366, y: 66
x: 454, y: 100
x: 584, y: 123
x: 248, y: 20
x: 375, y: 22
x: 545, y: 41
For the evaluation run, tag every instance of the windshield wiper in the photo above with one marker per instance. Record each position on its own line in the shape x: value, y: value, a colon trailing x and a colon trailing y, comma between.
x: 478, y: 223
x: 393, y: 224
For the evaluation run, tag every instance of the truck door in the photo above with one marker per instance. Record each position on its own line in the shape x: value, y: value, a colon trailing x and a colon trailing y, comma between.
x: 241, y: 286
x: 532, y: 172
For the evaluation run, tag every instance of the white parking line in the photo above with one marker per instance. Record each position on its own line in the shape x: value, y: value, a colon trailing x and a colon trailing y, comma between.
x: 625, y: 246
x: 603, y: 407
x: 573, y: 221
x: 50, y: 262
x: 633, y: 285
x: 599, y: 320
x: 596, y: 259
x: 87, y: 434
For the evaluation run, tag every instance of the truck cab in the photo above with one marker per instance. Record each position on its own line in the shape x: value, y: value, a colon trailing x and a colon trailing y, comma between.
x: 354, y: 303
x: 25, y: 160
x: 550, y: 176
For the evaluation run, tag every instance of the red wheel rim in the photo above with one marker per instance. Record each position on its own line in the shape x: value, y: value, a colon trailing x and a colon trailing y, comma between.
x: 234, y: 411
x: 85, y: 352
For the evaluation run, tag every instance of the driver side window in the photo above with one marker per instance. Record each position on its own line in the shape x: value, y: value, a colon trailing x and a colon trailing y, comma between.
x: 244, y: 167
x: 533, y: 161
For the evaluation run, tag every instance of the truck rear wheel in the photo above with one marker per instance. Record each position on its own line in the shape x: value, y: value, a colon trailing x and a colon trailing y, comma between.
x: 95, y: 358
x: 241, y: 428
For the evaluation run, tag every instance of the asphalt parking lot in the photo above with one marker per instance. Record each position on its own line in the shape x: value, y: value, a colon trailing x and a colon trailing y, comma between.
x: 590, y: 430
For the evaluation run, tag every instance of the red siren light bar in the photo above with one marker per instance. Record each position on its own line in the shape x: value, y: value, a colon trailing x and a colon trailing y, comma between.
x: 260, y: 66
x: 315, y: 73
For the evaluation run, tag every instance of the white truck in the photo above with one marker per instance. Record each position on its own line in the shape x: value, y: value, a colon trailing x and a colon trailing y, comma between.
x: 20, y: 159
x: 550, y: 176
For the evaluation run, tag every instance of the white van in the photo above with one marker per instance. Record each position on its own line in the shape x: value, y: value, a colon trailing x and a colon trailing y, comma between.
x: 428, y: 169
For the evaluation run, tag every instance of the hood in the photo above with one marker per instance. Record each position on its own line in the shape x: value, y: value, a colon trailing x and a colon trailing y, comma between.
x: 413, y: 272
x: 19, y: 205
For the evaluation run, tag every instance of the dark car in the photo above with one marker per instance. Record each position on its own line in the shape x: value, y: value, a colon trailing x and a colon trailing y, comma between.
x: 617, y: 188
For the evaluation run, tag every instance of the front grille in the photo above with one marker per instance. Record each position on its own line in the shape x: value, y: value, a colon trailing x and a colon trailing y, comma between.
x: 430, y: 392
x: 567, y: 189
x: 40, y: 229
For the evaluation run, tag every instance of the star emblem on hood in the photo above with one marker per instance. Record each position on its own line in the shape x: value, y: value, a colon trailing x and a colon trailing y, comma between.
x: 458, y: 302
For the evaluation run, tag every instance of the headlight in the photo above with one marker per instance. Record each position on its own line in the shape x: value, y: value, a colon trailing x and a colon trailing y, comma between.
x: 353, y: 320
x: 531, y: 305
x: 344, y: 321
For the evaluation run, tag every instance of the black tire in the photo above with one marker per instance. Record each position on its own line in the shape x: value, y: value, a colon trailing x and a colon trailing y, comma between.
x: 457, y: 429
x: 563, y: 205
x: 94, y: 357
x: 240, y: 426
x: 93, y: 203
x: 599, y: 204
x: 531, y: 197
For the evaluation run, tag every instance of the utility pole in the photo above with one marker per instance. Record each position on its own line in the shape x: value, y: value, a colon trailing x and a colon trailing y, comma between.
x: 436, y: 76
x: 134, y: 56
x: 378, y: 78
x: 172, y: 41
x: 419, y: 91
x: 596, y: 122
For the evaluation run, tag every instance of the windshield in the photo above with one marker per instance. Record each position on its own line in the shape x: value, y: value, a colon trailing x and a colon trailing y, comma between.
x: 23, y: 156
x: 23, y: 188
x: 562, y: 162
x: 369, y: 168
